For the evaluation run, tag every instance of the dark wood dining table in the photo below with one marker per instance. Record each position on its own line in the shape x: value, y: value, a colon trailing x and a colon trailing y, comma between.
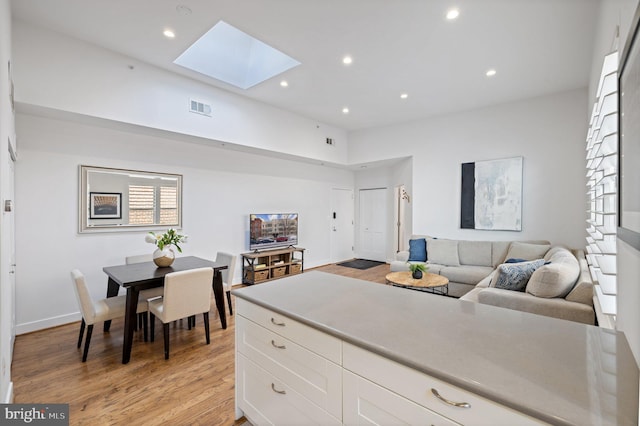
x: 141, y: 276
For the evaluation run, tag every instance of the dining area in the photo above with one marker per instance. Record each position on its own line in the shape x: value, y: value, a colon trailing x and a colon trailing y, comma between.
x: 125, y: 379
x: 196, y: 384
x: 177, y: 293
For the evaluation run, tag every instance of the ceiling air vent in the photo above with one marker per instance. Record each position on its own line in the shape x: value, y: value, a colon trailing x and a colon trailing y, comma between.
x: 200, y: 108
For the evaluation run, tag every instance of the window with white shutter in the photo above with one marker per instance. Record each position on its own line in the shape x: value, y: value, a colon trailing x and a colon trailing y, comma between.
x: 602, y: 174
x: 141, y: 204
x: 168, y: 205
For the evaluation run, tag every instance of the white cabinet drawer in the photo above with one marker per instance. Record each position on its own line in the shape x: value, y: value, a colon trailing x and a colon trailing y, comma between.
x: 417, y: 387
x: 267, y: 401
x: 366, y: 403
x: 311, y: 375
x: 312, y: 339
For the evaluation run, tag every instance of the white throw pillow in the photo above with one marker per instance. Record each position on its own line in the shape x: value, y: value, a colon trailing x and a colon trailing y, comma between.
x: 443, y: 252
x: 557, y: 278
x: 527, y: 251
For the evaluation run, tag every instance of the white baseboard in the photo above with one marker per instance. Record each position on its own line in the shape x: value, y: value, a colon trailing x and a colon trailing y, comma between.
x: 29, y: 327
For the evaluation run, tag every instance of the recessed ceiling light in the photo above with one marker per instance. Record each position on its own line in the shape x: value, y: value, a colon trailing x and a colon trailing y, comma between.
x: 452, y: 14
x: 491, y: 73
x: 169, y: 34
x: 404, y: 96
x: 347, y: 60
x: 284, y: 83
x: 345, y: 110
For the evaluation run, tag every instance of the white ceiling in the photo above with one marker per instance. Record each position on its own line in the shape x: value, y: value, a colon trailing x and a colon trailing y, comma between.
x: 536, y: 46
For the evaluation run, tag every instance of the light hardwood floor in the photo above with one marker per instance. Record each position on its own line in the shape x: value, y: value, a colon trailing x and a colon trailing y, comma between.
x: 194, y: 387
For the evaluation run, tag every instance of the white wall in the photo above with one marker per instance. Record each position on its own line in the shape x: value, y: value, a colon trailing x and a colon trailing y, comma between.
x: 614, y: 17
x: 7, y: 130
x: 62, y: 73
x: 220, y: 188
x: 548, y: 132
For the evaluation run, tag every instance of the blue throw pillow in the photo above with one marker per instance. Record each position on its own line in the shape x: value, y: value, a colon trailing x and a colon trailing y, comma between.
x: 515, y: 276
x: 418, y: 250
x: 515, y: 260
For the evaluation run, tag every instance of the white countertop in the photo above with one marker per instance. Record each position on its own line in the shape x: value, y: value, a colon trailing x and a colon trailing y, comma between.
x: 558, y: 371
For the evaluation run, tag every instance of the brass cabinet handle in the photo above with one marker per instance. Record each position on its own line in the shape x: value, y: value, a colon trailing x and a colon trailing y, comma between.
x: 273, y: 321
x: 273, y: 387
x: 273, y: 343
x: 455, y: 404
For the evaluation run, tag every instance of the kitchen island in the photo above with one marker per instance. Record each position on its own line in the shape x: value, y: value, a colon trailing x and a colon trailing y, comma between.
x: 324, y: 348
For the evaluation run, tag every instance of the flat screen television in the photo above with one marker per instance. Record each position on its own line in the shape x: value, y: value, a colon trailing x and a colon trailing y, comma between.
x: 269, y: 231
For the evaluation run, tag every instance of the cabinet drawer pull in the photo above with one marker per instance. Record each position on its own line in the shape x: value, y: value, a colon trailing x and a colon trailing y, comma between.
x: 455, y: 404
x: 273, y: 387
x: 273, y: 321
x: 273, y: 343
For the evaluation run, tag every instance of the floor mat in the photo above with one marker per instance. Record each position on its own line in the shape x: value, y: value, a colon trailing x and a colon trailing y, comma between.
x: 360, y: 263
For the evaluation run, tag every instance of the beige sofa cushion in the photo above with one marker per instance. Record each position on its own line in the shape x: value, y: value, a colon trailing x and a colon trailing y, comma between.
x: 486, y: 281
x: 553, y: 250
x: 499, y: 252
x: 443, y: 252
x: 527, y: 251
x: 476, y: 253
x: 582, y: 292
x: 555, y: 307
x: 557, y: 278
x: 466, y: 274
x: 434, y: 268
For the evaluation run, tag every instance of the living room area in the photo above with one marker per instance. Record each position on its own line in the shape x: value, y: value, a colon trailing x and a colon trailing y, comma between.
x: 83, y: 98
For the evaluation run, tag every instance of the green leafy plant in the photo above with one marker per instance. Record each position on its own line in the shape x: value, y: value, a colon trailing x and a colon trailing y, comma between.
x: 418, y: 267
x: 171, y: 237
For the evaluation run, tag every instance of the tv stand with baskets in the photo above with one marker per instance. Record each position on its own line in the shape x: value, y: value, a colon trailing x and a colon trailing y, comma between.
x: 267, y: 265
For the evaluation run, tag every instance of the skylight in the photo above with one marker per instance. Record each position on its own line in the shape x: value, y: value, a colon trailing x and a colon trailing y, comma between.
x: 230, y: 55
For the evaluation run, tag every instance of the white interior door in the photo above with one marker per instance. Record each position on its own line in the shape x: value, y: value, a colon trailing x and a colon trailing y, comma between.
x: 342, y: 216
x: 373, y: 224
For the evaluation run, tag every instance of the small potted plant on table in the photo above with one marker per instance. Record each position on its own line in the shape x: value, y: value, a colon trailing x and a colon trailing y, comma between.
x: 417, y: 269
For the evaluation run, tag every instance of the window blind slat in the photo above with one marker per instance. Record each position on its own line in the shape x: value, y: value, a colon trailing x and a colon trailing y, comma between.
x: 141, y: 204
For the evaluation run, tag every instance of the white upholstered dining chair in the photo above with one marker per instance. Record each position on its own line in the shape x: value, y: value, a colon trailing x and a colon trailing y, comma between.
x: 227, y: 274
x: 99, y: 310
x: 147, y: 294
x: 138, y: 258
x: 151, y: 292
x: 186, y: 294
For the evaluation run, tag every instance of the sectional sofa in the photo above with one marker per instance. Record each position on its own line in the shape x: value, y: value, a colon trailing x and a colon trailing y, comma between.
x: 530, y: 276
